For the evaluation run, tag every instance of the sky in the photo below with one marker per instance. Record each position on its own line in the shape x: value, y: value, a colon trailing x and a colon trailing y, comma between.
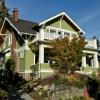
x: 86, y: 13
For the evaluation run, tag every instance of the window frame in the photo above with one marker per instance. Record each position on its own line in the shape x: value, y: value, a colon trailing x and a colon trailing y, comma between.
x: 21, y: 54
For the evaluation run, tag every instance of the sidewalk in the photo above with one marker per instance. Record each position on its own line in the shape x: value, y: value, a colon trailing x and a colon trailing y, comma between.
x: 14, y: 94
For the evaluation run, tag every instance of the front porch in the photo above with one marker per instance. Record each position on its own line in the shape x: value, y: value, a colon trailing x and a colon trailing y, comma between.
x: 90, y: 59
x: 90, y: 63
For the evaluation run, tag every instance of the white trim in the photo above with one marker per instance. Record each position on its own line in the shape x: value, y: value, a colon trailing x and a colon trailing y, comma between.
x: 47, y: 70
x: 21, y: 54
x: 23, y: 48
x: 6, y: 19
x: 7, y: 50
x: 46, y: 46
x: 26, y: 71
x: 27, y: 33
x: 9, y: 39
x: 2, y: 26
x: 4, y: 44
x: 59, y: 29
x: 34, y: 58
x: 1, y: 30
x: 92, y: 52
x: 20, y: 49
x: 60, y: 14
x: 12, y: 25
x: 2, y: 34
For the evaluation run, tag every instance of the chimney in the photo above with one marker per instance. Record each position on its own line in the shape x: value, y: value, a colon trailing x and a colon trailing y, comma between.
x: 15, y: 15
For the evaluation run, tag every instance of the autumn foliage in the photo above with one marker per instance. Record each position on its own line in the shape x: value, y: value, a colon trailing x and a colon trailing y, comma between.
x: 65, y: 54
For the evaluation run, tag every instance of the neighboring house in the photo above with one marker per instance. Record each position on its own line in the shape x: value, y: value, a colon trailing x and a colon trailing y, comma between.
x: 28, y: 43
x: 14, y: 36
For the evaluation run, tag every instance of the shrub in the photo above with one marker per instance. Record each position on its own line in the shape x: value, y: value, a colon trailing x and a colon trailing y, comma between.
x: 3, y: 94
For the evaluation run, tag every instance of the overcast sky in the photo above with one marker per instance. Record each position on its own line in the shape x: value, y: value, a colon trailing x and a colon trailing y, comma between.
x: 86, y: 13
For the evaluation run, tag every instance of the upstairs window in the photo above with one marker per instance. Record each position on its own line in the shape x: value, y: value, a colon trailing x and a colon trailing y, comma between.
x: 52, y: 31
x: 66, y: 34
x: 59, y: 32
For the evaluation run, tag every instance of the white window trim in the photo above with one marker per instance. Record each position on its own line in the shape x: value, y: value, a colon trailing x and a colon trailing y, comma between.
x: 9, y: 40
x: 21, y: 54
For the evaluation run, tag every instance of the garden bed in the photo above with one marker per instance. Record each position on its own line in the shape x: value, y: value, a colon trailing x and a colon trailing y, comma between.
x: 64, y: 84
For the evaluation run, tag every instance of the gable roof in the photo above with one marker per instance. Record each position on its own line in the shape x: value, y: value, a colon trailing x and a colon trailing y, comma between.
x: 22, y: 26
x: 62, y: 14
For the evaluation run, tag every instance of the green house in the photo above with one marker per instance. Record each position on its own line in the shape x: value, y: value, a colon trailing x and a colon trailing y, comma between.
x: 28, y: 43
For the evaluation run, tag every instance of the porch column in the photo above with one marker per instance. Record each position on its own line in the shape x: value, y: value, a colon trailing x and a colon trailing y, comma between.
x: 92, y: 62
x: 41, y: 34
x: 41, y: 59
x: 84, y: 61
x: 96, y: 64
x: 41, y: 54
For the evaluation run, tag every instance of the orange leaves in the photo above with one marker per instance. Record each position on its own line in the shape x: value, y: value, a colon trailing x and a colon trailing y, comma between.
x: 67, y: 52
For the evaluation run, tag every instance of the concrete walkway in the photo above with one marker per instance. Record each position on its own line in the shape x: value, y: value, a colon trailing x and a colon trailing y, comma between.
x: 15, y: 94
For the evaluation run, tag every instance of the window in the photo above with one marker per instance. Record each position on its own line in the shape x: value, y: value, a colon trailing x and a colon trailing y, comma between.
x: 66, y: 34
x: 9, y: 40
x: 52, y: 31
x: 22, y: 54
x: 59, y: 33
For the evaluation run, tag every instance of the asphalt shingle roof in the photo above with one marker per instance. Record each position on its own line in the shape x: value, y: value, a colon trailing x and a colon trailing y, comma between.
x: 24, y: 25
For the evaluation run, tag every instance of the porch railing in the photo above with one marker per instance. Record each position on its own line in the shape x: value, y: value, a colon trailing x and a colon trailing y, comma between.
x: 91, y: 44
x: 51, y: 36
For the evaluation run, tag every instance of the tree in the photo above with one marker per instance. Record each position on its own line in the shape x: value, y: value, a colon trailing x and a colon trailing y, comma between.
x: 10, y: 64
x: 66, y: 54
x: 3, y: 11
x: 10, y: 68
